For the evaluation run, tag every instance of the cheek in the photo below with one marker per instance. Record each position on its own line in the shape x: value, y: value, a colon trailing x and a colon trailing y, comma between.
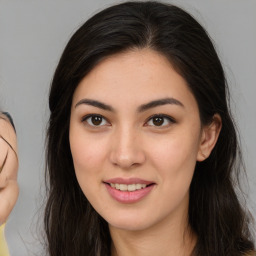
x: 87, y: 150
x: 175, y: 150
x: 174, y: 161
x: 175, y: 157
x: 85, y: 162
x: 84, y: 155
x: 89, y: 154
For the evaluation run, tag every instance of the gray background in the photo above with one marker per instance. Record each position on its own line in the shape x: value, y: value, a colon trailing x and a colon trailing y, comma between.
x: 33, y: 34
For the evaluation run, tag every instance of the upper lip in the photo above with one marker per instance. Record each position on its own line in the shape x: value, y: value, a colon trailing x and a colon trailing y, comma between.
x: 128, y: 181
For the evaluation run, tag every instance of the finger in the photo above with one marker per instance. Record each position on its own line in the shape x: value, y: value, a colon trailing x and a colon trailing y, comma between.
x: 3, y: 181
x: 8, y: 198
x: 3, y: 164
x: 8, y: 133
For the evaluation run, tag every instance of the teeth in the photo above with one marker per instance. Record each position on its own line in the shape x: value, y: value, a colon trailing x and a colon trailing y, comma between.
x: 131, y: 187
x: 125, y: 187
x: 140, y: 186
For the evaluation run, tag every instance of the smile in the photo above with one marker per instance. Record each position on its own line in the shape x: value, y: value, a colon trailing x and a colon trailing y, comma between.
x: 128, y: 191
x: 125, y: 187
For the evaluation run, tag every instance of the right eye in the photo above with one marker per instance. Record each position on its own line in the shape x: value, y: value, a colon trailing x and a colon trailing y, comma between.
x: 95, y: 120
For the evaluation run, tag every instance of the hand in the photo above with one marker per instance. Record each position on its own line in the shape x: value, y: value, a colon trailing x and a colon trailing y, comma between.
x: 9, y: 189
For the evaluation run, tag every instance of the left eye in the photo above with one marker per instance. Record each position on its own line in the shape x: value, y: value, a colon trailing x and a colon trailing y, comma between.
x: 95, y: 120
x: 160, y: 121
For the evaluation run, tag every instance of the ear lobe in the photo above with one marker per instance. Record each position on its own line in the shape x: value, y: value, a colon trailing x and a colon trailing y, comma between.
x: 209, y: 137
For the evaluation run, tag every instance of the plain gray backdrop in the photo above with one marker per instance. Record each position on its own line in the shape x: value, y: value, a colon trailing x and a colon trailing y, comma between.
x: 33, y: 34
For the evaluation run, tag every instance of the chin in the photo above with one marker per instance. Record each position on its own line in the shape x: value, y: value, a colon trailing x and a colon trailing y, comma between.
x: 130, y: 223
x: 128, y: 226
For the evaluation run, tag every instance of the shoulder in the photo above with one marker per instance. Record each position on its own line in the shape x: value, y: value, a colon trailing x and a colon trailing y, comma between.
x: 251, y: 253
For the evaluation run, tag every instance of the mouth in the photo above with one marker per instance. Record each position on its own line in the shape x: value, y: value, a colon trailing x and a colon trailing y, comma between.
x: 128, y: 190
x: 128, y: 187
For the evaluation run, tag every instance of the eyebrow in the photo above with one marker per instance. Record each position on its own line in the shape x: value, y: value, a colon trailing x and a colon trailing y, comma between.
x: 142, y: 108
x: 160, y: 102
x: 95, y: 103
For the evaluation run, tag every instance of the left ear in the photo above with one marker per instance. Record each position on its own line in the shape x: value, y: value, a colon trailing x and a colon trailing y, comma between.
x: 209, y: 137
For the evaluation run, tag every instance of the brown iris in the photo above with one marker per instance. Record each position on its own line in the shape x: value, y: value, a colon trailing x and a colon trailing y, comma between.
x: 158, y: 121
x: 96, y: 120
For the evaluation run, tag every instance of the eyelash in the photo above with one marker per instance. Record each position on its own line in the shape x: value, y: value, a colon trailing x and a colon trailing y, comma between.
x: 87, y: 117
x: 169, y: 119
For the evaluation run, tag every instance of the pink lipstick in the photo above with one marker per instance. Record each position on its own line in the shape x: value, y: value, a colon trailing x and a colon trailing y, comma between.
x: 129, y: 190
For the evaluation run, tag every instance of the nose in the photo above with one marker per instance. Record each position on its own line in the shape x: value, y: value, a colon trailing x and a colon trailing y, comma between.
x: 127, y: 149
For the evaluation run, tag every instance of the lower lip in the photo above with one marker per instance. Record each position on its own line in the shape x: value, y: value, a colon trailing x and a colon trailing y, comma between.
x: 128, y: 197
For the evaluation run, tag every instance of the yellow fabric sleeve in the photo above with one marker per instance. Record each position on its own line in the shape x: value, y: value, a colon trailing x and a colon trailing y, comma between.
x: 3, y: 245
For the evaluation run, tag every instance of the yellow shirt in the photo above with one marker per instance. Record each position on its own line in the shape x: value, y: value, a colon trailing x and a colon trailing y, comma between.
x: 3, y: 245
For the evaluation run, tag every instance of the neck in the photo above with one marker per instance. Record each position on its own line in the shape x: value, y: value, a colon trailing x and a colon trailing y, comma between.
x: 169, y: 239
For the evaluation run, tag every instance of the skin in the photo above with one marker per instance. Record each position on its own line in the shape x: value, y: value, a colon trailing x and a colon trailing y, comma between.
x: 127, y: 143
x: 9, y: 168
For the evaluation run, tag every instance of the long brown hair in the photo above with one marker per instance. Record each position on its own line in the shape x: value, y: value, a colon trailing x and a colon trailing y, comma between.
x: 72, y: 226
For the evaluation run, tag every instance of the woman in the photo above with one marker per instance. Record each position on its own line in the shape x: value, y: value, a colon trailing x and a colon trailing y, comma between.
x: 8, y: 174
x: 142, y: 150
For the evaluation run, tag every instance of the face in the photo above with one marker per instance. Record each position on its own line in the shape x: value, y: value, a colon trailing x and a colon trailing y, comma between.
x: 135, y: 137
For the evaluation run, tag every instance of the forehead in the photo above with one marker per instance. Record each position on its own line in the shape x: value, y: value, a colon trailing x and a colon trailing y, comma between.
x: 134, y: 77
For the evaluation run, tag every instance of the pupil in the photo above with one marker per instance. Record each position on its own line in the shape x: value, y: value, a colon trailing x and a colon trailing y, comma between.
x: 96, y: 120
x: 158, y: 121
